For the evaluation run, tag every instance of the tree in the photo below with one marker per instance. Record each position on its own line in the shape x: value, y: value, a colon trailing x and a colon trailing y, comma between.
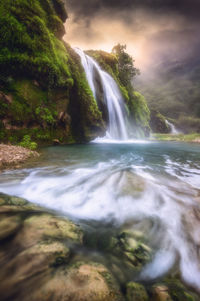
x: 125, y: 64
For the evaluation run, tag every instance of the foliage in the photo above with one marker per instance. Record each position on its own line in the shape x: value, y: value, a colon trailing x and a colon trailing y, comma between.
x: 174, y: 91
x: 158, y: 123
x: 125, y: 65
x: 27, y: 143
x: 188, y: 123
x: 139, y: 112
x: 120, y: 66
x: 42, y: 76
x: 28, y: 45
x: 194, y: 137
x: 46, y: 115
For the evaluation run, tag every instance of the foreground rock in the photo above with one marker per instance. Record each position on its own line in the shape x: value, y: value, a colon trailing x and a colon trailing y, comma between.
x: 43, y: 257
x: 12, y: 156
x: 36, y: 250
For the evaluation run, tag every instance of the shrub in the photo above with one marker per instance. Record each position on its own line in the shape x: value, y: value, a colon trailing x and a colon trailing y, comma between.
x: 27, y: 143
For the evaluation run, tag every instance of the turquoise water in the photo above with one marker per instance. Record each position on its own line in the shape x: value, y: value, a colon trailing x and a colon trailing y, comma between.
x: 153, y: 187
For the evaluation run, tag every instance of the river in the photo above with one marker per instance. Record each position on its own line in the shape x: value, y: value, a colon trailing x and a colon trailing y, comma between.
x: 151, y: 187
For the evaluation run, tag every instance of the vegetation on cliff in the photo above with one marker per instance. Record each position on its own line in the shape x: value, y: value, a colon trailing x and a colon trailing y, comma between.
x: 172, y: 88
x: 121, y: 67
x: 43, y: 88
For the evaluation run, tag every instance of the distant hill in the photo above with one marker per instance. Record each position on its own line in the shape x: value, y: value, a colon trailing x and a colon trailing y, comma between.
x: 173, y: 88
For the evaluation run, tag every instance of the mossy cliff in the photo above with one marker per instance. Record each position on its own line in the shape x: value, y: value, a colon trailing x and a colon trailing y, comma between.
x: 43, y: 88
x: 137, y: 110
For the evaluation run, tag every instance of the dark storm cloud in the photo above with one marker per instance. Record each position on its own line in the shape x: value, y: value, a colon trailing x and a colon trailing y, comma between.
x: 188, y: 8
x: 152, y: 29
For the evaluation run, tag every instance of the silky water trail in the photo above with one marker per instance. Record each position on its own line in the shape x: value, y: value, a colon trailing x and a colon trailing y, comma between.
x: 149, y: 189
x: 112, y: 97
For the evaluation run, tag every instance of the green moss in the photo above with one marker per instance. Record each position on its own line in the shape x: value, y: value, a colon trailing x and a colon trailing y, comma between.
x: 139, y: 112
x: 109, y: 63
x: 136, y: 292
x: 44, y: 76
x: 136, y: 106
x: 27, y: 143
x: 84, y: 105
x: 28, y: 45
x: 179, y: 292
x: 194, y: 137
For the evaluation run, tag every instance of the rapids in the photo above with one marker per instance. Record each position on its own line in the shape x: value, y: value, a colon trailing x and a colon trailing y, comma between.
x: 153, y: 187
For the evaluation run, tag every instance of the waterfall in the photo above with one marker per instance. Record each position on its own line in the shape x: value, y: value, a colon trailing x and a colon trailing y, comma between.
x: 112, y: 96
x: 173, y: 129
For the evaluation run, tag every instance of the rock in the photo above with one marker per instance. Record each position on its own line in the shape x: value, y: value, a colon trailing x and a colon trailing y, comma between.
x: 56, y: 142
x: 136, y: 292
x: 48, y: 227
x: 132, y: 184
x: 9, y: 226
x: 161, y: 293
x: 81, y: 282
x: 34, y: 246
x: 136, y: 251
x: 177, y: 290
x: 158, y: 123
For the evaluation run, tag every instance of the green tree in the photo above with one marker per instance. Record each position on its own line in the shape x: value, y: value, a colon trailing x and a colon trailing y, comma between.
x: 126, y: 66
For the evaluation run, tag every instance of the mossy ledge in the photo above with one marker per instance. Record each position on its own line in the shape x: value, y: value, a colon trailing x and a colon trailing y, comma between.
x: 43, y: 89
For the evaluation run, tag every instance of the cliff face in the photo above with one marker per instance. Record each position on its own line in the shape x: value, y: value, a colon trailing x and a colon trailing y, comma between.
x: 43, y: 88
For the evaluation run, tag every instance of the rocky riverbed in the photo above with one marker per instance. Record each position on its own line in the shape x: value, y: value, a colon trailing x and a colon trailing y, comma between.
x: 40, y: 260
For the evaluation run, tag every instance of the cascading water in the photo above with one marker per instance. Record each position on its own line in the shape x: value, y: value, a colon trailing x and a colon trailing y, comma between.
x: 172, y: 127
x: 112, y: 96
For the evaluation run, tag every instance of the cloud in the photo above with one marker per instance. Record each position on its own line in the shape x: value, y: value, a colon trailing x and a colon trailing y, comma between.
x: 152, y: 29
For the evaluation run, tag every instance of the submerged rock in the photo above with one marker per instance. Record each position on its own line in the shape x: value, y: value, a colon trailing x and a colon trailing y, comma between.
x: 84, y: 282
x: 43, y: 258
x: 34, y: 244
x: 36, y: 248
x: 161, y: 293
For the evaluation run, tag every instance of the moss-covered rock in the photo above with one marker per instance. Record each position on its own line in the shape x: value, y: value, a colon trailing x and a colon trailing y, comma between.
x: 136, y: 292
x: 158, y: 123
x: 43, y: 89
x: 160, y: 293
x: 83, y: 281
x: 36, y: 249
x: 139, y: 114
x: 34, y: 245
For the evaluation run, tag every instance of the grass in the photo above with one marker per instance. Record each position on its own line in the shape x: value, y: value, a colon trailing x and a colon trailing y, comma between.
x: 193, y: 137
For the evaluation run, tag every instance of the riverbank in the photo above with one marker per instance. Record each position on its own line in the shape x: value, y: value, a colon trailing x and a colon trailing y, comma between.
x: 194, y: 138
x: 13, y: 156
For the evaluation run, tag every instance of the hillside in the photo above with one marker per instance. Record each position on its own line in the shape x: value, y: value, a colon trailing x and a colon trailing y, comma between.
x: 173, y: 89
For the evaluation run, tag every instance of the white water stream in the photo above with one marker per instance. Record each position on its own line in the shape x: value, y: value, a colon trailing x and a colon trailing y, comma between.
x: 154, y: 187
x: 173, y: 129
x: 112, y: 97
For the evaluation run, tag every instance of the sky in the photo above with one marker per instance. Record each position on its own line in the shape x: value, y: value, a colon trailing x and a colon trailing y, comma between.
x: 153, y: 30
